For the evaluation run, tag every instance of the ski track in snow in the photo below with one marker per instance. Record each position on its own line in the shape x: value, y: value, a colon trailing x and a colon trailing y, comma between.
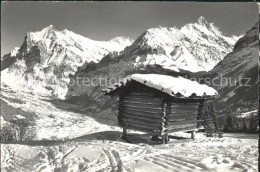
x: 128, y: 157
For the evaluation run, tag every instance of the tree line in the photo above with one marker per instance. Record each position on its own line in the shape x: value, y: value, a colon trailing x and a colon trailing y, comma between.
x: 227, y: 122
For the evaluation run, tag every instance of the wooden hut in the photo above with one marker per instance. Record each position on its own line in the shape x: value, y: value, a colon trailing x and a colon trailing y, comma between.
x: 159, y: 104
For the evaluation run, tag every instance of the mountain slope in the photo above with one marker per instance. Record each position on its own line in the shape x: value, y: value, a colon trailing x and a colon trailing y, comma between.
x: 236, y: 76
x: 47, y: 58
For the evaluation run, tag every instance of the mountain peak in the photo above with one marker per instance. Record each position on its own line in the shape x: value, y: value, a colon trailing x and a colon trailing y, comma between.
x: 202, y: 20
x: 46, y: 32
x: 48, y: 28
x: 53, y: 57
x: 187, y: 47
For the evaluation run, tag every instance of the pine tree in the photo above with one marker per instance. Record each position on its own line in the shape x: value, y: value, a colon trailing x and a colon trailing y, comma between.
x: 200, y: 115
x: 235, y: 124
x: 253, y: 124
x: 240, y: 125
x: 245, y: 127
x: 209, y: 119
x: 230, y: 123
x: 204, y: 116
x: 212, y: 114
x: 209, y: 127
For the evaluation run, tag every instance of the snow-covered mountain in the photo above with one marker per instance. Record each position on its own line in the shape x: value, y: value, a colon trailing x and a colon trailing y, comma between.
x: 47, y: 58
x: 236, y: 76
x: 194, y: 47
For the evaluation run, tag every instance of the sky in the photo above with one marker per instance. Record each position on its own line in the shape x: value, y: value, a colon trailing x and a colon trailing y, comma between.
x: 106, y: 20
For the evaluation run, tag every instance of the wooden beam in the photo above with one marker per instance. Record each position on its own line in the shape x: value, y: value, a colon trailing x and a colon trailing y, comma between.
x: 143, y: 99
x: 149, y: 131
x: 183, y: 112
x: 157, y: 109
x: 181, y: 126
x: 181, y: 129
x: 145, y: 126
x: 145, y: 102
x: 184, y: 108
x: 183, y: 122
x: 142, y: 105
x: 195, y: 103
x: 142, y: 118
x: 186, y: 116
x: 187, y: 107
x: 142, y: 94
x: 148, y: 115
x: 132, y: 109
x: 166, y: 138
x: 163, y: 139
x: 193, y: 135
x: 142, y: 122
x: 124, y: 132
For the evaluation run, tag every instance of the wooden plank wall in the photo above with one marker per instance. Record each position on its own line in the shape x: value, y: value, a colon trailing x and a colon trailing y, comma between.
x: 141, y: 111
x: 182, y: 116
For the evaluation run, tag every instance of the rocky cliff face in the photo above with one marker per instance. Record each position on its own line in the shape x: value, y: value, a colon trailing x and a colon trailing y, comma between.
x: 47, y: 58
x: 236, y: 76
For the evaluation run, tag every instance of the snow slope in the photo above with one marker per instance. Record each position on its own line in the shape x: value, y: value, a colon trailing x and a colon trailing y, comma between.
x: 68, y: 139
x: 47, y: 58
x: 226, y: 154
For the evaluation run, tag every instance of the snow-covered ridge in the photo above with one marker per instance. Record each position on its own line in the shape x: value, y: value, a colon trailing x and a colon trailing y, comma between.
x: 76, y: 43
x: 48, y: 57
x: 194, y: 47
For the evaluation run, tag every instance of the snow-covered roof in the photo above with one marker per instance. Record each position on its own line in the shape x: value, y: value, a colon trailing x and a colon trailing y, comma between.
x: 171, y: 85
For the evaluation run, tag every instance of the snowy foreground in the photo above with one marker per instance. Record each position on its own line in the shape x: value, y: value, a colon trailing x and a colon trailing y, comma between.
x: 72, y: 141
